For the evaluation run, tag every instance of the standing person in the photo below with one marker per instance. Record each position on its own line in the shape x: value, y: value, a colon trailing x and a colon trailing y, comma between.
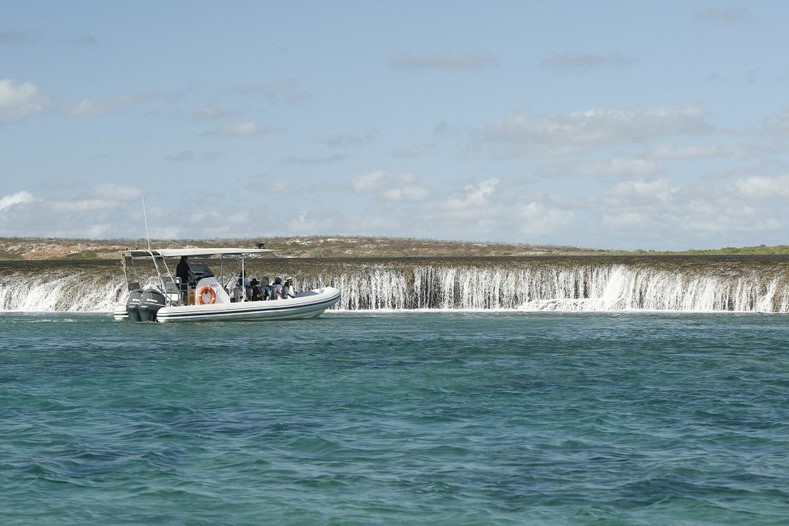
x: 184, y: 273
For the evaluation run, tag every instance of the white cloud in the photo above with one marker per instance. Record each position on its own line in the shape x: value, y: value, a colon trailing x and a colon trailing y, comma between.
x: 631, y: 193
x: 19, y: 101
x: 640, y: 204
x: 538, y: 219
x: 762, y: 187
x: 101, y: 198
x: 369, y: 181
x: 406, y: 193
x: 90, y: 107
x: 116, y: 192
x: 390, y: 187
x: 18, y: 198
x: 524, y: 135
x: 475, y: 202
x: 90, y: 216
x: 665, y: 213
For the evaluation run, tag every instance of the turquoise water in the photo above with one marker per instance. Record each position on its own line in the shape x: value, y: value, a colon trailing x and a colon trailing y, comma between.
x: 426, y: 418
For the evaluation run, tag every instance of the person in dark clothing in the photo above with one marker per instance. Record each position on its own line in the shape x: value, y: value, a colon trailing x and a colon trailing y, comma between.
x: 255, y: 290
x: 184, y: 272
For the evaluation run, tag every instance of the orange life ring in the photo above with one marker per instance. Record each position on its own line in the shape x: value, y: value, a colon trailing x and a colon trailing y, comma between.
x: 205, y: 295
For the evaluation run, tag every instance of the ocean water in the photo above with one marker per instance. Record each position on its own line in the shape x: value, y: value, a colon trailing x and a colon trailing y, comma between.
x: 396, y: 418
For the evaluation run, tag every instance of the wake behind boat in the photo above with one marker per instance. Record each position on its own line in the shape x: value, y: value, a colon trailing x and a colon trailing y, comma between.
x: 194, y: 293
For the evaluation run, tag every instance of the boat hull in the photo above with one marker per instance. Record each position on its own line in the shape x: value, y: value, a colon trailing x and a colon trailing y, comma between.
x: 308, y: 304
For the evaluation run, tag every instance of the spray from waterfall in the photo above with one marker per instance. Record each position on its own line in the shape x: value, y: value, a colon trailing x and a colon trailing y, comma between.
x: 396, y: 285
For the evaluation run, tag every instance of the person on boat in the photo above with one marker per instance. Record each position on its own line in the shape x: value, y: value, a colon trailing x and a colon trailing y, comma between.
x: 288, y: 290
x: 241, y: 289
x: 265, y: 288
x: 184, y: 273
x: 276, y: 289
x: 255, y: 296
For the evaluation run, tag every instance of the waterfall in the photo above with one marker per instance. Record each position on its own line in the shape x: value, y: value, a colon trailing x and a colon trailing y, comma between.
x: 578, y: 284
x: 580, y: 288
x: 57, y: 291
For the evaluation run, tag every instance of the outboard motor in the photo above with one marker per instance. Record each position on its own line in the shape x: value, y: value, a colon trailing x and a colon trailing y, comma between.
x: 151, y: 301
x: 133, y: 304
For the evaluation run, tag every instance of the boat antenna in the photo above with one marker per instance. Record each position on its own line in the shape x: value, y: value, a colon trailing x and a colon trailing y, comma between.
x: 150, y: 251
x: 145, y: 216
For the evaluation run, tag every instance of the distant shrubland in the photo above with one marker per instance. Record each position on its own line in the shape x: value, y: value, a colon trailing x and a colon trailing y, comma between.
x: 328, y: 247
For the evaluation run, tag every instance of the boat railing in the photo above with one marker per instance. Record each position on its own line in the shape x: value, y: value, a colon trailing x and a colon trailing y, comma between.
x: 170, y: 288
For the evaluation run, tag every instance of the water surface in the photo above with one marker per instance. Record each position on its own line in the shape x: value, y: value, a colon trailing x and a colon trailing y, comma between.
x: 396, y: 418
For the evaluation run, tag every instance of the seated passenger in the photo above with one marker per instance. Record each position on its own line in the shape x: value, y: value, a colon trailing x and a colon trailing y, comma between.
x: 276, y: 289
x: 288, y: 290
x: 238, y: 293
x: 265, y: 289
x: 255, y: 295
x: 243, y: 288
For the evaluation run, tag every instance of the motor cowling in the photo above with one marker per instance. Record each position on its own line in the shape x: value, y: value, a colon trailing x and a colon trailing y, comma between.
x: 133, y: 304
x: 150, y: 302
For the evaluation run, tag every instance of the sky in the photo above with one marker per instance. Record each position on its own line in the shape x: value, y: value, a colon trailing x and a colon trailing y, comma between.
x: 652, y: 125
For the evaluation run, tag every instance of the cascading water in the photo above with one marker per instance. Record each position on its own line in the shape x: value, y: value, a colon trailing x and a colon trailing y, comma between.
x: 53, y: 291
x: 688, y: 284
x: 581, y: 288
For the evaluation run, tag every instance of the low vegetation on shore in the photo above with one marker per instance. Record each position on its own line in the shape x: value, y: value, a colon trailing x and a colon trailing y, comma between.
x: 328, y: 247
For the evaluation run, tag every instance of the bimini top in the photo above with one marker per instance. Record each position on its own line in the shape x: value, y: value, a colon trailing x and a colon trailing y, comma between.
x: 193, y: 252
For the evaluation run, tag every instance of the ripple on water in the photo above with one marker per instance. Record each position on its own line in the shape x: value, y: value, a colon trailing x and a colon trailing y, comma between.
x: 393, y: 419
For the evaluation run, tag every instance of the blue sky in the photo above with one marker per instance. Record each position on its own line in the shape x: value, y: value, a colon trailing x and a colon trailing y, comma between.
x: 600, y: 124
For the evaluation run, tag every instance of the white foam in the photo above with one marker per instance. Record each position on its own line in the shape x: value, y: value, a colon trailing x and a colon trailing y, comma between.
x: 525, y: 286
